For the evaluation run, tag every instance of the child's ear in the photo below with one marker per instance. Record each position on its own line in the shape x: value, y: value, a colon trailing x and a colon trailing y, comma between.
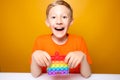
x: 47, y: 23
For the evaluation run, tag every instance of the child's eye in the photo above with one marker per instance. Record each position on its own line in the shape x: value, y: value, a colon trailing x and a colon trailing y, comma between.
x: 53, y: 17
x: 64, y: 17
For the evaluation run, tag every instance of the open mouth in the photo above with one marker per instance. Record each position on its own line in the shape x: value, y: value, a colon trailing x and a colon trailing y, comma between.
x: 59, y: 29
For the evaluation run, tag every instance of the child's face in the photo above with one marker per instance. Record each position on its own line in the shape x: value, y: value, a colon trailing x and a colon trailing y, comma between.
x: 59, y: 20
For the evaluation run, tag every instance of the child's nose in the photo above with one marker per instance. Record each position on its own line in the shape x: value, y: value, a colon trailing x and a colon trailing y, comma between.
x: 59, y: 21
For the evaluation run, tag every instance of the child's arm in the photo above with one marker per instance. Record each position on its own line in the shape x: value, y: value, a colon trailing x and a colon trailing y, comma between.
x: 77, y: 57
x: 35, y: 69
x: 85, y: 67
x: 39, y: 59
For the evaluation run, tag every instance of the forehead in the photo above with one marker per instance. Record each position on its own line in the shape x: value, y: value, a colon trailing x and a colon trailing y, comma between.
x: 59, y: 9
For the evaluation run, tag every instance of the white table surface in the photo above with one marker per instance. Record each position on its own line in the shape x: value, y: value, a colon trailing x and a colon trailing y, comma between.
x: 28, y: 76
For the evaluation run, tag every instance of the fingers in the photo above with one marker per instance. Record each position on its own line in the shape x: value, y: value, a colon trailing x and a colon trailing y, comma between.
x: 73, y: 62
x: 73, y: 59
x: 70, y: 63
x: 48, y: 56
x: 42, y: 58
x: 76, y: 64
x: 47, y: 59
x: 67, y: 58
x: 37, y: 59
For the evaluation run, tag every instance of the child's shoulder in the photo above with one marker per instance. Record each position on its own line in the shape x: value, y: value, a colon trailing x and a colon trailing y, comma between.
x: 76, y: 38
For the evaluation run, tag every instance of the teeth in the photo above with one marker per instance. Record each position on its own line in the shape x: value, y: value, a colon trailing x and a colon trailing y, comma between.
x: 58, y: 28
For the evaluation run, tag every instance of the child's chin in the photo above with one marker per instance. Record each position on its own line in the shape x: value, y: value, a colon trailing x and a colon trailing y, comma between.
x: 59, y: 36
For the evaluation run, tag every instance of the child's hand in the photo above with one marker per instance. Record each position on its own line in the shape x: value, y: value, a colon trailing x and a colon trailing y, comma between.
x: 42, y: 58
x: 74, y: 58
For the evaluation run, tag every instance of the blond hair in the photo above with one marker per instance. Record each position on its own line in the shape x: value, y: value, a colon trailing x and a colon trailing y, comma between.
x: 59, y: 2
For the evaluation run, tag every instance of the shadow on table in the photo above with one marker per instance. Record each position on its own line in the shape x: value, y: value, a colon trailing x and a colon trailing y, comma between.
x: 64, y: 77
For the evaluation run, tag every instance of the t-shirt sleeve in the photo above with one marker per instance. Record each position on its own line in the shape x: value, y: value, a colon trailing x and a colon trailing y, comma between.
x: 35, y: 47
x: 37, y: 44
x: 85, y: 50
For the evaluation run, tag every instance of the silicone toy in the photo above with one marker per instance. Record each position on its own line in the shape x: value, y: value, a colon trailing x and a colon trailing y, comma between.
x: 58, y: 66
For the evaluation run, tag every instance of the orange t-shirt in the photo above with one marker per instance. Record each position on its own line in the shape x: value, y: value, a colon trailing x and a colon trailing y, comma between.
x: 74, y: 43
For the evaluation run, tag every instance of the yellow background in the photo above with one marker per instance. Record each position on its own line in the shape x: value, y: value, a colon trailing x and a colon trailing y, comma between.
x: 98, y: 21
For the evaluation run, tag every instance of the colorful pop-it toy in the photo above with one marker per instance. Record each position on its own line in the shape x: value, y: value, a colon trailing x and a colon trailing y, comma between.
x: 58, y: 66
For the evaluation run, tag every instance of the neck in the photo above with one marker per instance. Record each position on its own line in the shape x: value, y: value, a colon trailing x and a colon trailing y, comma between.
x: 60, y: 41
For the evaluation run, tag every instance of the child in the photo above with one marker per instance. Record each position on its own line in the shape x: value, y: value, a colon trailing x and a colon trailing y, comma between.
x: 59, y: 17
